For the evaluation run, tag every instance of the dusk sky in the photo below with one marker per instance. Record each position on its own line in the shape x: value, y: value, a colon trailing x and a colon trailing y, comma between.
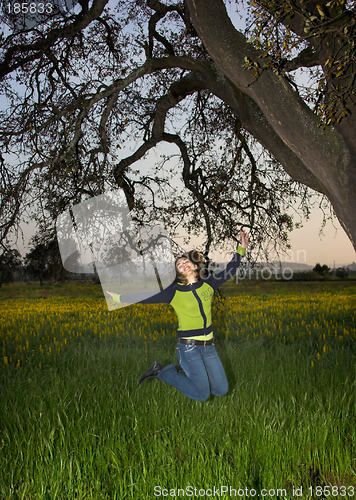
x: 332, y: 245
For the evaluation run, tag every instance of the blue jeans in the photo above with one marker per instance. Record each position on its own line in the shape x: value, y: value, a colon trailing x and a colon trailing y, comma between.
x: 203, y: 369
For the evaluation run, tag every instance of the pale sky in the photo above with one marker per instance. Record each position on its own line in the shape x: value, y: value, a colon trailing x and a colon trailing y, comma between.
x: 332, y: 245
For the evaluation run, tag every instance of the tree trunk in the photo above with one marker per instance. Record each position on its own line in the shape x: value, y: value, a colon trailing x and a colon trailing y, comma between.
x: 323, y: 158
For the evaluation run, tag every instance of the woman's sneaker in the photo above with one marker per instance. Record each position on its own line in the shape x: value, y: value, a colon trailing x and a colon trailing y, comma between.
x: 152, y: 372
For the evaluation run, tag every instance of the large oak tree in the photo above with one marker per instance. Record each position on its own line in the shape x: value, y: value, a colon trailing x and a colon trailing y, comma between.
x: 83, y: 85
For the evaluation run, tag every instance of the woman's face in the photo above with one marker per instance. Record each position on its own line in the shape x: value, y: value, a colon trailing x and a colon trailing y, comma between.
x: 185, y: 267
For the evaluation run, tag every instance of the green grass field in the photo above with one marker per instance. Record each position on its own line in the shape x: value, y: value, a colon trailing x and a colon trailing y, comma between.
x: 75, y: 424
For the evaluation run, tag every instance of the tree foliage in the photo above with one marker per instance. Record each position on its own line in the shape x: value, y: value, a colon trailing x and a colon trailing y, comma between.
x: 342, y: 273
x: 10, y: 260
x: 320, y: 25
x: 43, y: 261
x: 322, y: 270
x: 92, y: 94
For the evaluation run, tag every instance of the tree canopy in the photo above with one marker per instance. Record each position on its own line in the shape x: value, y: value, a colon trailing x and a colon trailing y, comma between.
x: 92, y: 92
x: 10, y: 260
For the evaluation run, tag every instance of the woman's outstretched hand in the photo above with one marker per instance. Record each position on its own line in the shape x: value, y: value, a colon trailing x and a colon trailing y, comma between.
x: 244, y: 239
x: 111, y: 294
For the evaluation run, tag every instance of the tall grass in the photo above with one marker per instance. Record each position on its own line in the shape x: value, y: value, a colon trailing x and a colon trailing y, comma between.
x: 75, y: 424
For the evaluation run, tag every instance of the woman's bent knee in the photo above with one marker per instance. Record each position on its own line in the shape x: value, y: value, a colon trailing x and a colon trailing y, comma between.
x: 222, y: 390
x: 202, y: 396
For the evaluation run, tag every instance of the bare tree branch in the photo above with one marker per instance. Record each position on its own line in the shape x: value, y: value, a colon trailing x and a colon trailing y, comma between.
x: 14, y: 57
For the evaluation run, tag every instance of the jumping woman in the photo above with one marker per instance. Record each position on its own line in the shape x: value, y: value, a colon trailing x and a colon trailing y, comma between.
x: 191, y: 297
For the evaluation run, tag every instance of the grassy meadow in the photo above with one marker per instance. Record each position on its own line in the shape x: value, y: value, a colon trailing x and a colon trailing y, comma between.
x: 74, y: 424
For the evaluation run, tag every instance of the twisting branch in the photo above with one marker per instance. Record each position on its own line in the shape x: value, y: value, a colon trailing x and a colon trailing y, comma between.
x: 152, y: 33
x: 306, y: 58
x: 190, y: 179
x: 117, y: 86
x: 104, y: 118
x: 55, y: 62
x: 15, y: 57
x: 253, y: 178
x: 160, y: 12
x: 178, y: 91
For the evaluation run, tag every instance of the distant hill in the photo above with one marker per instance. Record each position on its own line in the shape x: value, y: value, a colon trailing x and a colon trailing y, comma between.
x: 295, y: 266
x: 351, y: 267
